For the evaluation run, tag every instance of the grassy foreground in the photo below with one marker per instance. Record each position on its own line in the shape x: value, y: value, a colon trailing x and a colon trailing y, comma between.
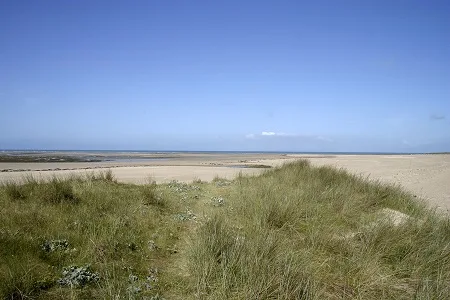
x: 295, y: 232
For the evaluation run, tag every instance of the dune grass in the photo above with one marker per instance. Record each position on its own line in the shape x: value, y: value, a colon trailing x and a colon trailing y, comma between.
x: 300, y: 232
x: 295, y: 232
x: 116, y: 230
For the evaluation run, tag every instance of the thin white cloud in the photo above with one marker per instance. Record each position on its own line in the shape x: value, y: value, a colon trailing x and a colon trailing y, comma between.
x: 291, y: 135
x: 268, y: 133
x: 286, y: 134
x: 406, y: 143
x: 271, y: 133
x: 324, y: 138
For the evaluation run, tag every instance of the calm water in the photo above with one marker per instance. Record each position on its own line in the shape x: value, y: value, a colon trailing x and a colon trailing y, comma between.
x: 206, y: 152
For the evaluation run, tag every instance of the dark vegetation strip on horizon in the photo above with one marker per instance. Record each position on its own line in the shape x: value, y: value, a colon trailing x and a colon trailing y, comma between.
x: 36, y: 158
x: 43, y: 159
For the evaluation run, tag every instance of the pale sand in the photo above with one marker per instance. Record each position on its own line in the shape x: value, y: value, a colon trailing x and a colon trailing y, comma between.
x: 142, y: 174
x: 427, y: 176
x: 183, y: 167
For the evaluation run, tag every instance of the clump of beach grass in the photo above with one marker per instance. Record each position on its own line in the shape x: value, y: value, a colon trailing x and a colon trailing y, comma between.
x: 55, y: 190
x: 197, y: 180
x: 14, y: 191
x: 106, y: 176
x: 151, y: 196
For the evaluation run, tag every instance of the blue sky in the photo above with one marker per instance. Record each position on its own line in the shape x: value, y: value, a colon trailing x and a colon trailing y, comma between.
x: 225, y: 75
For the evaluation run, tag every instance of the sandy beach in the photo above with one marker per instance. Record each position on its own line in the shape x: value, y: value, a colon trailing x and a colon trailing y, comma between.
x: 427, y: 176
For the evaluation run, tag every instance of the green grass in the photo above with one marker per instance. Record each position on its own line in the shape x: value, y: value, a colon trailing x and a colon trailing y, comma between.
x: 295, y: 232
x: 107, y: 225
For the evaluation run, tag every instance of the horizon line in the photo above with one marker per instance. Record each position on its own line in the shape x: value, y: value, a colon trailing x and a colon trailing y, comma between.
x: 217, y: 151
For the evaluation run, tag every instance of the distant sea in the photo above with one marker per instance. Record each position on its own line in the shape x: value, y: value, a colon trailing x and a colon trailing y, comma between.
x: 206, y: 152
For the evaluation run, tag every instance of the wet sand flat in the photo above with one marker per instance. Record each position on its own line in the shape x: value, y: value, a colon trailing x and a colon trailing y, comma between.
x: 182, y: 167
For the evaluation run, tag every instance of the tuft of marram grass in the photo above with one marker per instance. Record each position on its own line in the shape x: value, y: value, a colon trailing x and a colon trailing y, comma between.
x: 197, y: 180
x: 58, y: 191
x: 106, y: 176
x: 14, y: 190
x: 151, y: 196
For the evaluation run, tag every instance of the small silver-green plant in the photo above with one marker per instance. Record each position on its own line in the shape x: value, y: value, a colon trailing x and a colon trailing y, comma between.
x: 187, y: 216
x: 217, y: 201
x: 181, y: 187
x: 55, y: 245
x: 75, y: 276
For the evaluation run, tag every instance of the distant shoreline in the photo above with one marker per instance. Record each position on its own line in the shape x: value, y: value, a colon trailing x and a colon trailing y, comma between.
x: 150, y: 156
x: 31, y: 151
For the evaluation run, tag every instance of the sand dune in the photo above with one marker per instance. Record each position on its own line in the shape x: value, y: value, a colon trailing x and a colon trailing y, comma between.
x: 427, y: 176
